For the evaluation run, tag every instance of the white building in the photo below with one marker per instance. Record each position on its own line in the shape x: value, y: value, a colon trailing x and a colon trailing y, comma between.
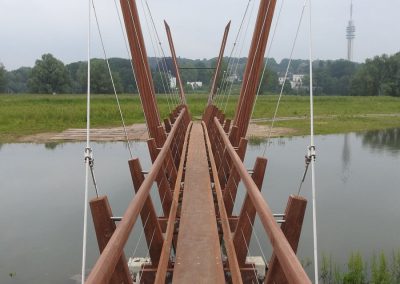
x: 172, y: 82
x: 296, y: 81
x: 195, y: 85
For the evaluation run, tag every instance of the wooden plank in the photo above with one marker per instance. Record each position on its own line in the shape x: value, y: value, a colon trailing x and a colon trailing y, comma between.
x: 294, y: 216
x: 198, y: 256
x: 105, y: 227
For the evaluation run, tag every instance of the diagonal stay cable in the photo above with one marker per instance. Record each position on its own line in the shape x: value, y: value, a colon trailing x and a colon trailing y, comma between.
x: 112, y: 81
x: 284, y: 82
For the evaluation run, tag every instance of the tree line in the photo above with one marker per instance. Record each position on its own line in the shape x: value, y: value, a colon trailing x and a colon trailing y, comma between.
x: 379, y: 76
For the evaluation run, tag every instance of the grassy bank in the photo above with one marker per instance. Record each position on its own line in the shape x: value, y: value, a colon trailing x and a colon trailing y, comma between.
x: 22, y: 115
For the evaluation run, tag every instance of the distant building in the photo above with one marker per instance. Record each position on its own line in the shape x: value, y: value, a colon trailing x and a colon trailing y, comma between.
x: 195, y: 85
x: 232, y: 78
x: 296, y: 81
x: 172, y: 82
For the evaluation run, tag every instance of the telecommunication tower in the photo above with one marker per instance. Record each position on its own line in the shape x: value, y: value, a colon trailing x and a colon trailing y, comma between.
x: 350, y: 34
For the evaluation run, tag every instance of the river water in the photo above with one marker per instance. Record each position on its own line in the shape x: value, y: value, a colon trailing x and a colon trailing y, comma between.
x: 42, y: 190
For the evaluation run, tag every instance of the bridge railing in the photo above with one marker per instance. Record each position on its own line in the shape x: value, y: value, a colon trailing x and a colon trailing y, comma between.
x: 106, y: 263
x: 287, y: 258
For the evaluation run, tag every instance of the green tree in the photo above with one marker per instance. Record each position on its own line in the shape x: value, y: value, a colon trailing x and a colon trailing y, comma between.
x: 270, y: 82
x: 100, y: 81
x: 17, y: 81
x: 49, y: 75
x: 3, y: 78
x: 379, y: 76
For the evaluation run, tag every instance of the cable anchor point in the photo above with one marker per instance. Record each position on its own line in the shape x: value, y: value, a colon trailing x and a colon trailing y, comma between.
x: 311, y: 154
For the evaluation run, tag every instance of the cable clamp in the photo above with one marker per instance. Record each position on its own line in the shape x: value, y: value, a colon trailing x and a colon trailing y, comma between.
x: 89, y: 156
x: 310, y: 154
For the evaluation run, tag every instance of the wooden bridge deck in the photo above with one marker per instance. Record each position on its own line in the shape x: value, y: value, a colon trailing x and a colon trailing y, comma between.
x: 198, y: 257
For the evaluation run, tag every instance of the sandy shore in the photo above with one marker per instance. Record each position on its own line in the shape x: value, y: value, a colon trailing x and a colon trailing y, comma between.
x: 136, y: 132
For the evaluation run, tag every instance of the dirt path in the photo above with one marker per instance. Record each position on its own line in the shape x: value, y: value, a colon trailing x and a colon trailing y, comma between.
x: 135, y: 132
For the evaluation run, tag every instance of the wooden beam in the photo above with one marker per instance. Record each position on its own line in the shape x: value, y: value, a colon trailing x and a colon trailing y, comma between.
x: 164, y: 189
x: 173, y: 54
x: 141, y: 66
x: 234, y: 179
x: 254, y: 66
x: 294, y: 216
x: 151, y: 227
x: 104, y: 228
x: 219, y: 64
x: 247, y: 215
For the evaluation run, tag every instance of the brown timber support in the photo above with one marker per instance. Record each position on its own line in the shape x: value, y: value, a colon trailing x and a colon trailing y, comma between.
x: 151, y: 226
x: 247, y: 215
x: 234, y: 179
x: 105, y: 227
x: 219, y: 64
x: 291, y: 265
x: 105, y: 265
x: 141, y: 67
x: 178, y: 75
x: 164, y: 188
x: 294, y: 216
x: 254, y: 65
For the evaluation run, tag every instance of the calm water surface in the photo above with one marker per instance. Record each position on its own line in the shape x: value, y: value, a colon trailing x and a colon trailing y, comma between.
x: 42, y: 191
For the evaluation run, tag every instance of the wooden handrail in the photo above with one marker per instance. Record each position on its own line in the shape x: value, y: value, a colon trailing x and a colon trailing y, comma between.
x: 230, y: 248
x: 290, y: 264
x: 105, y: 265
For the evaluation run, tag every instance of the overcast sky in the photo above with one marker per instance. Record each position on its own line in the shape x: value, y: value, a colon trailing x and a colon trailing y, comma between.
x: 29, y: 28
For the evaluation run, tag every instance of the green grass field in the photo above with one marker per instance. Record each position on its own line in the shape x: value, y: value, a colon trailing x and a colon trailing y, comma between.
x: 22, y: 115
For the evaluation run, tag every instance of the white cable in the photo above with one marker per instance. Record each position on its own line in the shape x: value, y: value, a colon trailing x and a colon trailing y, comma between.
x: 87, y: 154
x: 112, y: 82
x: 267, y: 58
x: 312, y: 154
x: 284, y: 82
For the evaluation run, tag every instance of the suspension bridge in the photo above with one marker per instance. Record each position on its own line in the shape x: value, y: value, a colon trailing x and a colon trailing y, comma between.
x: 197, y: 167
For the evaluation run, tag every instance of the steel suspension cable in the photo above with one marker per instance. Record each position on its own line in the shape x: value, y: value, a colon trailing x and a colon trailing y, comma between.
x: 141, y: 53
x: 237, y: 52
x: 161, y: 48
x: 285, y: 78
x: 155, y: 53
x: 112, y: 81
x: 129, y: 56
x: 87, y: 152
x: 267, y: 58
x: 227, y: 73
x: 257, y: 48
x: 238, y: 58
x: 312, y: 155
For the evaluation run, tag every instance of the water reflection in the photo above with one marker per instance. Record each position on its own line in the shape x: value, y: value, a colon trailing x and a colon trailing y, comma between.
x: 346, y: 159
x: 382, y: 140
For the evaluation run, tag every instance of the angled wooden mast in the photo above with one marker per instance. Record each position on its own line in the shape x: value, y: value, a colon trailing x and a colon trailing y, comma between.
x: 219, y: 64
x: 254, y: 65
x: 173, y: 54
x: 142, y: 70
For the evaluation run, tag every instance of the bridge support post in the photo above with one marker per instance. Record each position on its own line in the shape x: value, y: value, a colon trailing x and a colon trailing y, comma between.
x: 163, y: 185
x: 151, y: 226
x: 105, y: 227
x: 234, y: 179
x: 244, y: 227
x: 294, y: 216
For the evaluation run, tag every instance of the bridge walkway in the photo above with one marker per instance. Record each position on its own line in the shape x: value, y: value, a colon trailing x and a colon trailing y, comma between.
x: 198, y: 256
